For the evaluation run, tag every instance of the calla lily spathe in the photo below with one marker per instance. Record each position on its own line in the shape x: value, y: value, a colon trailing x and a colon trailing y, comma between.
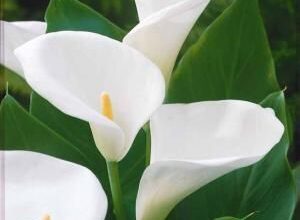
x: 37, y: 185
x: 14, y: 35
x: 193, y: 144
x: 163, y: 28
x: 72, y: 69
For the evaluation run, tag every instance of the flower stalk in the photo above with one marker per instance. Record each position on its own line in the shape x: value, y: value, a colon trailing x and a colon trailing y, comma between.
x: 115, y: 187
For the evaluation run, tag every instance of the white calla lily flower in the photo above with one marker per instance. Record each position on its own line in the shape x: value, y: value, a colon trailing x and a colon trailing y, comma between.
x: 193, y: 144
x: 14, y: 34
x: 37, y: 186
x: 84, y: 74
x: 163, y: 28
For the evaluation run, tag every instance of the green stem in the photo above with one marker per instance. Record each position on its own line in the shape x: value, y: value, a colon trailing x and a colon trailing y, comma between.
x: 115, y: 186
x: 148, y: 144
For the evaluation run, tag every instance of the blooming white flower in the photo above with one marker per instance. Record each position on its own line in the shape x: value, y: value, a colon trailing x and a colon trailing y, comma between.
x: 41, y: 187
x: 14, y: 34
x: 193, y: 144
x: 163, y: 28
x: 84, y: 74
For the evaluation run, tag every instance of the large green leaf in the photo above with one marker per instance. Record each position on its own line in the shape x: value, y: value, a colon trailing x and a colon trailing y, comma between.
x: 73, y: 15
x: 266, y: 187
x: 231, y: 59
x: 20, y: 131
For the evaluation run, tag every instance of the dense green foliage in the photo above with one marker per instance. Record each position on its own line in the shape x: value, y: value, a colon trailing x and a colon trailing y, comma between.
x: 232, y: 59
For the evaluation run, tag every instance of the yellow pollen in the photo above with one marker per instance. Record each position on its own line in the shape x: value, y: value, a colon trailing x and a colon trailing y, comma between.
x: 46, y: 217
x: 106, y: 106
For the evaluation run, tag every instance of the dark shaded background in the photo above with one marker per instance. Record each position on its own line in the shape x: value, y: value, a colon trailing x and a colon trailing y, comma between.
x: 280, y: 19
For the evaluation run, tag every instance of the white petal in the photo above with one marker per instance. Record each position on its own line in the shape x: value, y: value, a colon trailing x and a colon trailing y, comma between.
x: 72, y: 69
x: 37, y: 184
x: 196, y: 143
x: 163, y: 28
x: 14, y: 35
x: 213, y: 130
x: 147, y: 8
x: 34, y: 27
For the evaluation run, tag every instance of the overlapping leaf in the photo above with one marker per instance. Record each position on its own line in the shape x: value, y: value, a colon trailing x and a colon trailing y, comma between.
x: 231, y: 59
x: 73, y: 15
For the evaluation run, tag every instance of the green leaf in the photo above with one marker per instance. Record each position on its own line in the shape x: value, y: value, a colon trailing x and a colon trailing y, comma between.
x: 20, y: 131
x: 231, y: 59
x: 232, y: 218
x: 16, y: 83
x: 228, y: 218
x: 296, y: 172
x: 74, y: 15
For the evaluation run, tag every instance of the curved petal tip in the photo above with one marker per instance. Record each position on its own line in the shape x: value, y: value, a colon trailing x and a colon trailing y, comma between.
x: 193, y: 144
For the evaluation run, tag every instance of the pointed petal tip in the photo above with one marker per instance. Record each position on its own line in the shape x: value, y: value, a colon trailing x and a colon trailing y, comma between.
x: 163, y: 28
